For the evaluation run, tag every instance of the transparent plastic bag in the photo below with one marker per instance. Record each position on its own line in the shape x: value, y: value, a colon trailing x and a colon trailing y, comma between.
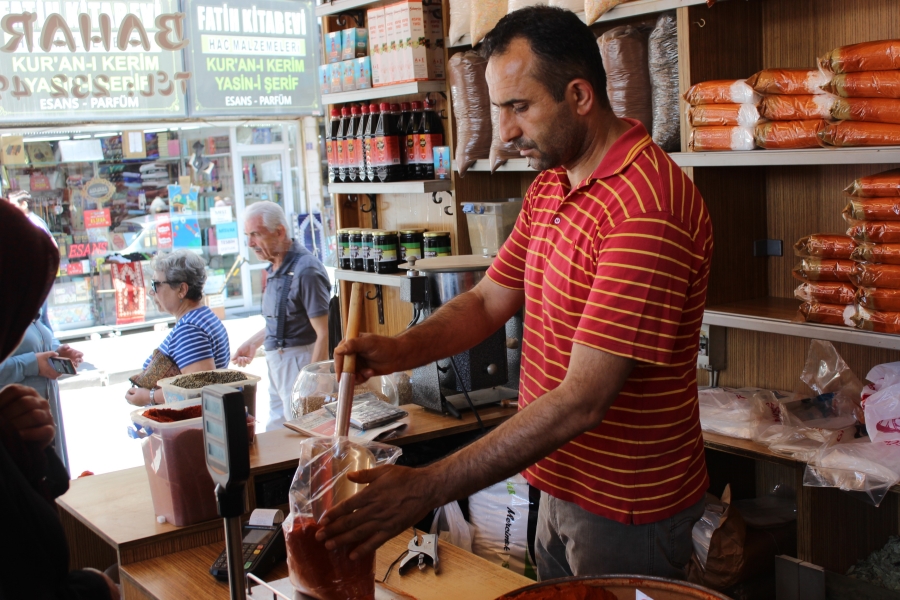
x: 722, y: 115
x: 871, y: 468
x: 320, y: 482
x: 877, y: 320
x: 662, y: 53
x: 451, y: 526
x: 788, y: 135
x: 722, y: 91
x: 738, y: 412
x: 624, y: 53
x: 594, y: 9
x: 880, y: 185
x: 823, y: 269
x: 471, y: 108
x: 825, y: 245
x: 872, y: 209
x: 888, y: 254
x: 880, y: 232
x: 459, y: 20
x: 706, y: 139
x: 882, y: 55
x: 484, y: 16
x: 500, y: 151
x: 828, y: 292
x: 788, y: 81
x: 874, y: 275
x: 878, y: 299
x: 873, y: 110
x: 882, y: 410
x: 870, y: 84
x: 850, y: 134
x: 796, y: 108
x: 827, y: 314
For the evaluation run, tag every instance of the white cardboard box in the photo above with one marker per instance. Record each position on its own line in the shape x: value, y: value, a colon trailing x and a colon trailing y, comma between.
x: 417, y: 52
x: 374, y: 16
x: 390, y: 47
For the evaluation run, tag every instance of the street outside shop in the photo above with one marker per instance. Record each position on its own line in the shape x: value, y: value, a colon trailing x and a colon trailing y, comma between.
x: 96, y: 416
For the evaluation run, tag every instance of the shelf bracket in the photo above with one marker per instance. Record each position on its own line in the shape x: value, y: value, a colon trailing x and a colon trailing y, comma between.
x: 372, y: 209
x: 380, y: 302
x: 447, y: 211
x: 435, y: 198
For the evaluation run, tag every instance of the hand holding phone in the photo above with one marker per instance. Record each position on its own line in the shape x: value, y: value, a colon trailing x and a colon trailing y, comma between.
x: 63, y: 366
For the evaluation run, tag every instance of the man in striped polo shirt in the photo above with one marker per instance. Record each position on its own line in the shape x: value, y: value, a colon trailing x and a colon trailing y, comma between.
x: 610, y: 257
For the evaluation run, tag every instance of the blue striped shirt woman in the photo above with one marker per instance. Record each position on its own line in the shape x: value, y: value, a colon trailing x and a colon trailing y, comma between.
x: 198, y: 342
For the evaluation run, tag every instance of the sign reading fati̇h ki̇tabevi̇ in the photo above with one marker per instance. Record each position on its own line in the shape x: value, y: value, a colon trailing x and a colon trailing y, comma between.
x: 87, y: 60
x: 252, y: 58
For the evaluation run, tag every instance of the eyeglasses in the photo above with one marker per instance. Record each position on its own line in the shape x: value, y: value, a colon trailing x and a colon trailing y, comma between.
x: 155, y: 284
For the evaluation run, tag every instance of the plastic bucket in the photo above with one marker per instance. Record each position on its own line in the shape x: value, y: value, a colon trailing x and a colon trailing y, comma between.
x: 623, y: 587
x: 174, y: 393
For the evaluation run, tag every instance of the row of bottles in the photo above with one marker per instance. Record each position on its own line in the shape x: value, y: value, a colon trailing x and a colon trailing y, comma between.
x: 386, y: 142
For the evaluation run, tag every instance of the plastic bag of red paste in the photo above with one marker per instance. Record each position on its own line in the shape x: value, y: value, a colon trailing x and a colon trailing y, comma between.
x: 723, y: 115
x: 846, y: 134
x: 876, y: 320
x: 721, y: 91
x: 828, y: 314
x: 878, y: 299
x: 827, y: 292
x: 471, y: 108
x: 788, y: 81
x: 825, y: 245
x: 880, y: 185
x: 873, y: 275
x: 662, y: 50
x: 823, y: 269
x: 879, y: 232
x: 624, y: 53
x: 721, y: 138
x: 883, y: 55
x: 796, y: 108
x: 320, y: 477
x: 872, y: 209
x: 887, y: 254
x: 873, y: 110
x: 783, y: 135
x: 500, y: 151
x: 869, y: 84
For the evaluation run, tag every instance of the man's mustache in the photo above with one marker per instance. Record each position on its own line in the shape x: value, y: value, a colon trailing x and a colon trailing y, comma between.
x: 521, y: 144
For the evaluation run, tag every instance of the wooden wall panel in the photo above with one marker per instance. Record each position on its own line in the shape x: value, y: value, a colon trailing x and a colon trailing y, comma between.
x: 801, y: 201
x: 725, y: 40
x: 738, y: 214
x: 795, y: 33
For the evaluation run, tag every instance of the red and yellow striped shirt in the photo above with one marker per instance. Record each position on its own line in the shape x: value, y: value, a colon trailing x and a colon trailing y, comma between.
x: 620, y: 263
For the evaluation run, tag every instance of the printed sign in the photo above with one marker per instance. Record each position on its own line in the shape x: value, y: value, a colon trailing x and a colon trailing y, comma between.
x: 97, y: 218
x: 181, y: 202
x: 186, y: 232
x: 220, y: 214
x: 163, y: 232
x: 254, y: 58
x: 12, y: 150
x: 227, y: 238
x: 99, y: 190
x: 90, y: 61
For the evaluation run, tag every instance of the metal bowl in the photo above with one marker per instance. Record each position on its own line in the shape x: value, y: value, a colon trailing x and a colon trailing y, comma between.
x: 623, y: 586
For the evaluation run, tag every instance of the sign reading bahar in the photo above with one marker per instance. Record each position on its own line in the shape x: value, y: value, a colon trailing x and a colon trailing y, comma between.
x: 254, y: 58
x: 89, y: 61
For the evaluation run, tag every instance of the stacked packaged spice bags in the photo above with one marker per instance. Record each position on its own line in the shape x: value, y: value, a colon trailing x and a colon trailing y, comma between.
x: 825, y: 270
x: 795, y: 106
x: 722, y: 115
x: 874, y: 218
x: 866, y: 79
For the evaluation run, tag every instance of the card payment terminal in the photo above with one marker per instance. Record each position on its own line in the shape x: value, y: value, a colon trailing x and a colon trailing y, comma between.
x: 263, y: 545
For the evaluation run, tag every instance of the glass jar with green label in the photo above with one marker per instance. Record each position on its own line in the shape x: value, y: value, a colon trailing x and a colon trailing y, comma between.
x: 344, y: 248
x: 368, y: 252
x: 355, y: 243
x: 436, y: 243
x: 385, y: 248
x: 410, y: 244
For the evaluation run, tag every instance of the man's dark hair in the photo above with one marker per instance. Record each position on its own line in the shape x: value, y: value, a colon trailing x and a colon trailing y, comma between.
x: 565, y: 48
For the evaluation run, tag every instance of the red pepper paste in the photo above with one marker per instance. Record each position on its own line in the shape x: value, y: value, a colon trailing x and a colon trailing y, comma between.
x: 326, y: 574
x: 565, y: 591
x: 171, y: 415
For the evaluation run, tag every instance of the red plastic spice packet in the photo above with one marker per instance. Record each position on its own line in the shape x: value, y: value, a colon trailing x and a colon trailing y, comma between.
x: 872, y: 209
x: 885, y: 232
x: 828, y: 292
x: 704, y: 139
x: 788, y: 81
x: 872, y: 275
x: 784, y: 135
x: 721, y: 91
x: 848, y: 134
x: 883, y: 55
x: 876, y: 320
x: 869, y: 84
x: 828, y: 314
x: 880, y: 185
x: 873, y: 110
x: 884, y: 299
x: 824, y: 269
x: 825, y: 245
x: 796, y: 108
x: 706, y: 115
x: 888, y: 254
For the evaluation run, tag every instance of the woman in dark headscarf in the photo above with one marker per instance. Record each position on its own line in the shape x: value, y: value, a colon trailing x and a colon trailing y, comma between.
x: 34, y: 561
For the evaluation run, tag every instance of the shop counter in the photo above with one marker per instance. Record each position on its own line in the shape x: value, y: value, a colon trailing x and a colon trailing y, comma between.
x: 186, y: 575
x: 110, y: 518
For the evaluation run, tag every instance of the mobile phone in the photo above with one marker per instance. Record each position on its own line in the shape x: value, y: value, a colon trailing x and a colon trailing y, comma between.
x: 63, y: 366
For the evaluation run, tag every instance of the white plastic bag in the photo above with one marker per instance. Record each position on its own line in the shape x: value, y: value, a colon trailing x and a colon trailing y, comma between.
x: 452, y: 527
x: 880, y: 377
x: 870, y: 468
x: 499, y: 516
x: 738, y: 412
x: 882, y: 410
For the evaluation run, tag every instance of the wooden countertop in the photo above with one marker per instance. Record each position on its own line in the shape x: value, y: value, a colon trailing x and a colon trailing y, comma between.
x: 118, y: 506
x: 186, y: 575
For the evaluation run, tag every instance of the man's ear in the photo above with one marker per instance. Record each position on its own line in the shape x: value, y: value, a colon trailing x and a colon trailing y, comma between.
x: 582, y: 96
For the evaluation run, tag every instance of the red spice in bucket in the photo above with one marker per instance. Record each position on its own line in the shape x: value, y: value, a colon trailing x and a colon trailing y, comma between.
x: 170, y: 415
x: 326, y: 574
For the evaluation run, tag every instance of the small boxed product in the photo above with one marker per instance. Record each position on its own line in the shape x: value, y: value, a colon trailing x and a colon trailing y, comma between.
x: 389, y: 52
x: 333, y: 47
x: 336, y: 76
x: 375, y: 19
x: 324, y: 79
x: 354, y: 43
x: 441, y: 162
x: 348, y: 75
x: 362, y: 73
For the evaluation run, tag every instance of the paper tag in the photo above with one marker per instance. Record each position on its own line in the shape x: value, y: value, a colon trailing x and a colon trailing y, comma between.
x: 639, y: 595
x: 266, y: 517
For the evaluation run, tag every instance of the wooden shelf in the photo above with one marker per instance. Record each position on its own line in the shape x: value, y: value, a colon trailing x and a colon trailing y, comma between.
x: 622, y: 11
x: 387, y: 91
x: 776, y: 315
x: 393, y: 187
x: 373, y: 278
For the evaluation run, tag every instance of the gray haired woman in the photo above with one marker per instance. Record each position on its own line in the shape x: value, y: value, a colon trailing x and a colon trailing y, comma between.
x: 198, y: 342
